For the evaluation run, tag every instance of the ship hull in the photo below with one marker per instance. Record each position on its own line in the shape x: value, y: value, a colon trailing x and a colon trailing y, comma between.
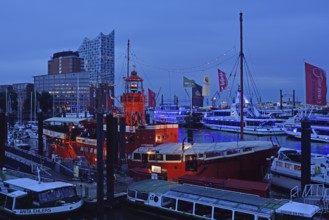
x: 252, y: 167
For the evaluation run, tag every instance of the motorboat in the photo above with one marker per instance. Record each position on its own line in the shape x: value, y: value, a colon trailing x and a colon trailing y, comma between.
x: 319, y: 127
x: 288, y: 163
x: 26, y: 197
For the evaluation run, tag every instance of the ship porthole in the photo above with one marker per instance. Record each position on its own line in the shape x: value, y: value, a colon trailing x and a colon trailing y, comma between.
x: 156, y: 199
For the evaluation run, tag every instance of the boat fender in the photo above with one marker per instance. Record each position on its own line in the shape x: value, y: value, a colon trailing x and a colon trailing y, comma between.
x: 317, y: 170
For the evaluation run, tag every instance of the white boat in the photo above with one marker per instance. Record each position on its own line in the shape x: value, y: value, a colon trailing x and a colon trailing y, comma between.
x: 288, y: 164
x: 254, y: 122
x: 25, y: 197
x: 319, y: 128
x: 171, y: 114
x: 185, y: 201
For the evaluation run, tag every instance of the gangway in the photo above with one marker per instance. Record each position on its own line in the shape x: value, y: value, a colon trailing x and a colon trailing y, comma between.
x: 315, y: 194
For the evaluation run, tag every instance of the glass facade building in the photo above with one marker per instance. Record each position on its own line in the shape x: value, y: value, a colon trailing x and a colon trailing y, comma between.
x: 70, y: 91
x: 98, y: 55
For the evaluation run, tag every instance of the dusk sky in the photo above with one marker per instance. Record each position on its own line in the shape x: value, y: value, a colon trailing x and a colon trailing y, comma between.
x: 173, y: 38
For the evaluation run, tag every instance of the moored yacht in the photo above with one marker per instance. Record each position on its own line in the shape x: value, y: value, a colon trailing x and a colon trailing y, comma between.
x: 288, y: 164
x: 319, y: 128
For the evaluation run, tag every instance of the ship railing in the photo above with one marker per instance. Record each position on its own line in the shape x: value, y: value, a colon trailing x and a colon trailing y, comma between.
x: 313, y: 190
x: 316, y: 194
x: 294, y: 193
x: 326, y: 200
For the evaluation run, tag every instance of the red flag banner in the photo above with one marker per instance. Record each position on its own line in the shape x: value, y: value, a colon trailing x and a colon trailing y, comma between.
x: 151, y: 100
x: 222, y: 80
x: 316, y: 85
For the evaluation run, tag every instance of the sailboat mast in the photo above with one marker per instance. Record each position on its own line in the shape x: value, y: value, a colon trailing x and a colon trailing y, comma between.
x: 128, y: 60
x: 241, y: 80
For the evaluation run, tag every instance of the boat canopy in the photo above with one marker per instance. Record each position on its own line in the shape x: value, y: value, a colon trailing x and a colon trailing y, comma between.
x: 34, y: 185
x: 65, y: 120
x: 177, y: 148
x: 297, y: 208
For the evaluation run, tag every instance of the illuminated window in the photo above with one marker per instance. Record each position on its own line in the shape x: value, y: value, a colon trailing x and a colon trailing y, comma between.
x: 288, y: 165
x: 279, y: 163
x: 298, y: 167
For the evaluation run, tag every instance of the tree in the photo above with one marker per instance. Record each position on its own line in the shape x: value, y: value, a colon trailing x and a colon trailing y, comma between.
x: 46, y: 101
x: 11, y: 99
x: 2, y: 102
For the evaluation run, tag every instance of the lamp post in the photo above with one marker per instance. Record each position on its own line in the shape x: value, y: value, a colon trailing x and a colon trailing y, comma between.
x: 183, y: 145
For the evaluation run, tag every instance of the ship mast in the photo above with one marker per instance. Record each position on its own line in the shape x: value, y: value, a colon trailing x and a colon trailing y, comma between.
x: 128, y: 61
x: 241, y: 80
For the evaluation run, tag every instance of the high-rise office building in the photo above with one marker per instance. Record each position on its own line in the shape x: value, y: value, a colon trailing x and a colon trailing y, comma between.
x: 98, y: 55
x: 65, y: 62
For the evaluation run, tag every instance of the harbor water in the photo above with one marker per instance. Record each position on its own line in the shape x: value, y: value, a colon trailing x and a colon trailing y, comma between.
x: 206, y: 135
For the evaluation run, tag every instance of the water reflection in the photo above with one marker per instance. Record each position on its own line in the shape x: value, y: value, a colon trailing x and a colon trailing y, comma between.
x: 206, y: 135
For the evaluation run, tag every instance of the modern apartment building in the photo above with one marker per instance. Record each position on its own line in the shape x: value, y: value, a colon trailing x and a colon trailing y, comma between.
x: 98, y: 55
x: 65, y: 62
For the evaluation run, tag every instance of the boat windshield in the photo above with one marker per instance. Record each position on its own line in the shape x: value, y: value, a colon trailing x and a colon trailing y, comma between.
x: 56, y: 194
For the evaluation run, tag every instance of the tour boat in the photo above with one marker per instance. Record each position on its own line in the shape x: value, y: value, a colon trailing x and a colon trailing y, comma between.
x: 185, y: 201
x: 288, y: 164
x: 171, y: 114
x: 229, y: 119
x: 248, y: 160
x: 25, y: 197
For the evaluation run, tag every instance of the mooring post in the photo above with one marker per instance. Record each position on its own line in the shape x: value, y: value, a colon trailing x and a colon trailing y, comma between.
x: 306, y: 153
x: 190, y: 129
x: 100, y: 164
x: 111, y: 136
x: 122, y: 141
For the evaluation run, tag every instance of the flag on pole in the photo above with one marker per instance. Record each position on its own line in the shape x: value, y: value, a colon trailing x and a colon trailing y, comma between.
x: 188, y: 83
x: 151, y: 98
x: 206, y: 85
x: 316, y: 85
x: 197, y: 98
x: 222, y: 80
